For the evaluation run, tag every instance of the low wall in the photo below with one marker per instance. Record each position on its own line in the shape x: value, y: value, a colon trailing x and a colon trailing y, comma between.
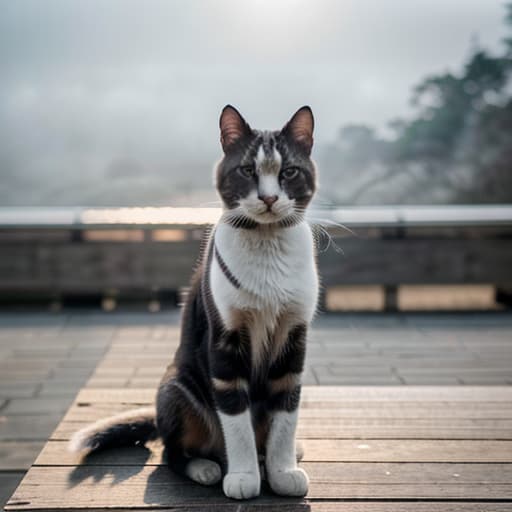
x: 146, y: 252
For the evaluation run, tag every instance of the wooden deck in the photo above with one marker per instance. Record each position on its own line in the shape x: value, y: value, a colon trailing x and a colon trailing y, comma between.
x: 366, y: 449
x: 393, y: 446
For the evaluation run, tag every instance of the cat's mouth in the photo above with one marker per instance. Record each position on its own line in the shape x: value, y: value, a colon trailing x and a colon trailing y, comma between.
x: 268, y: 215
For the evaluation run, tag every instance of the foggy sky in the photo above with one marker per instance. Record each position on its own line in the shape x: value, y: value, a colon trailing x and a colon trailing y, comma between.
x: 126, y: 86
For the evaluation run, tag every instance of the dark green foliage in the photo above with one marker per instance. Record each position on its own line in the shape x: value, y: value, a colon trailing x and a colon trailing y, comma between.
x: 457, y: 148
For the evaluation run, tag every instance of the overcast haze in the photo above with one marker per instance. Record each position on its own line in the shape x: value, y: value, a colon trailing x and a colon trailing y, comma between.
x: 102, y: 96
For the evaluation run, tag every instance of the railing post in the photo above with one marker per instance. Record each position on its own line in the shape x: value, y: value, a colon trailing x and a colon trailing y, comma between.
x: 390, y: 297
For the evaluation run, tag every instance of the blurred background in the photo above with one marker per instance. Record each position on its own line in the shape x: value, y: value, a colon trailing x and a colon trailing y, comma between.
x: 108, y: 137
x: 117, y: 103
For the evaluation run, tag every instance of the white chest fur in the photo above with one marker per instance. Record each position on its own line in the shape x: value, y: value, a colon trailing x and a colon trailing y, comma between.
x: 277, y: 275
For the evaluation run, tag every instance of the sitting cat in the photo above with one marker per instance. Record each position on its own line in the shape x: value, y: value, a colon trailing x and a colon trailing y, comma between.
x: 231, y: 396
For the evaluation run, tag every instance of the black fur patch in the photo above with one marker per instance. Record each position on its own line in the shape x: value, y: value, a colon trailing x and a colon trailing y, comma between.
x: 225, y: 270
x: 285, y: 400
x: 291, y: 359
x: 232, y: 401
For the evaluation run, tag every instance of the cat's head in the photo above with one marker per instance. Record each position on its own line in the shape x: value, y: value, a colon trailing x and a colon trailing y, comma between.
x: 266, y: 177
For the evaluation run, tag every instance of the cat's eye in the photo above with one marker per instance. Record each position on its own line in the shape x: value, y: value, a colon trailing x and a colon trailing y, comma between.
x: 290, y: 173
x: 246, y: 171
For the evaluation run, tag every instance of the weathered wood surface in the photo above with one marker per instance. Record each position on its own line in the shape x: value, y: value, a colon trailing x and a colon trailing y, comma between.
x: 362, y: 428
x: 461, y: 458
x: 359, y: 395
x: 327, y: 450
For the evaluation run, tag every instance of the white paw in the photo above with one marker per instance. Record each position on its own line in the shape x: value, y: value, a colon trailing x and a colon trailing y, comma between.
x: 241, y: 486
x: 204, y: 471
x: 289, y: 482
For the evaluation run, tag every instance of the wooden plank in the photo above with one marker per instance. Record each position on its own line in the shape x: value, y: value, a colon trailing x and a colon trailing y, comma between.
x: 363, y: 428
x: 55, y: 453
x: 409, y: 393
x: 444, y: 411
x: 309, y: 505
x: 321, y: 450
x: 263, y: 504
x: 407, y: 506
x: 430, y: 410
x: 116, y: 396
x: 377, y: 472
x: 146, y: 486
x: 407, y: 450
x: 338, y: 393
x: 308, y: 403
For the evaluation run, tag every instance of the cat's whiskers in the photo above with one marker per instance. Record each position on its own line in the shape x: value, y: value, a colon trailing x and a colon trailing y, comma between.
x: 318, y: 232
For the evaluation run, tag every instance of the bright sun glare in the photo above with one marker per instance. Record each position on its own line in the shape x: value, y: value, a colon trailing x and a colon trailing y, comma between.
x: 284, y: 25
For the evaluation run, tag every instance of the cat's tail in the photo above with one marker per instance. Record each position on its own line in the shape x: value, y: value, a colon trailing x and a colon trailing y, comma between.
x: 128, y: 428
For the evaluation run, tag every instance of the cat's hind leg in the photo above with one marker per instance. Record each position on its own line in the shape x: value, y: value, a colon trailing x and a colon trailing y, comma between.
x: 200, y: 470
x: 203, y: 471
x: 189, y: 437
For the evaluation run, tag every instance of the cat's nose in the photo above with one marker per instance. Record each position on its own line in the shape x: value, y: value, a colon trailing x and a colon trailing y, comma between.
x: 268, y: 200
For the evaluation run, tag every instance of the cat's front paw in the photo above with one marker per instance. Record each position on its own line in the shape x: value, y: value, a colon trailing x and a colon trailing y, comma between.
x: 241, y: 486
x: 289, y: 482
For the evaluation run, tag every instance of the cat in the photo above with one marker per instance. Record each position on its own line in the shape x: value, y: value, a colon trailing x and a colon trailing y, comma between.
x: 230, y: 398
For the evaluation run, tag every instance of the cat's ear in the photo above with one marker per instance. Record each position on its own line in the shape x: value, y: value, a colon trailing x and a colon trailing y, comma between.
x: 300, y: 128
x: 232, y: 127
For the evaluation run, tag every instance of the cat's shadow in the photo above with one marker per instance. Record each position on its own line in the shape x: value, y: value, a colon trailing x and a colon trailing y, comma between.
x: 105, y: 464
x: 165, y: 488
